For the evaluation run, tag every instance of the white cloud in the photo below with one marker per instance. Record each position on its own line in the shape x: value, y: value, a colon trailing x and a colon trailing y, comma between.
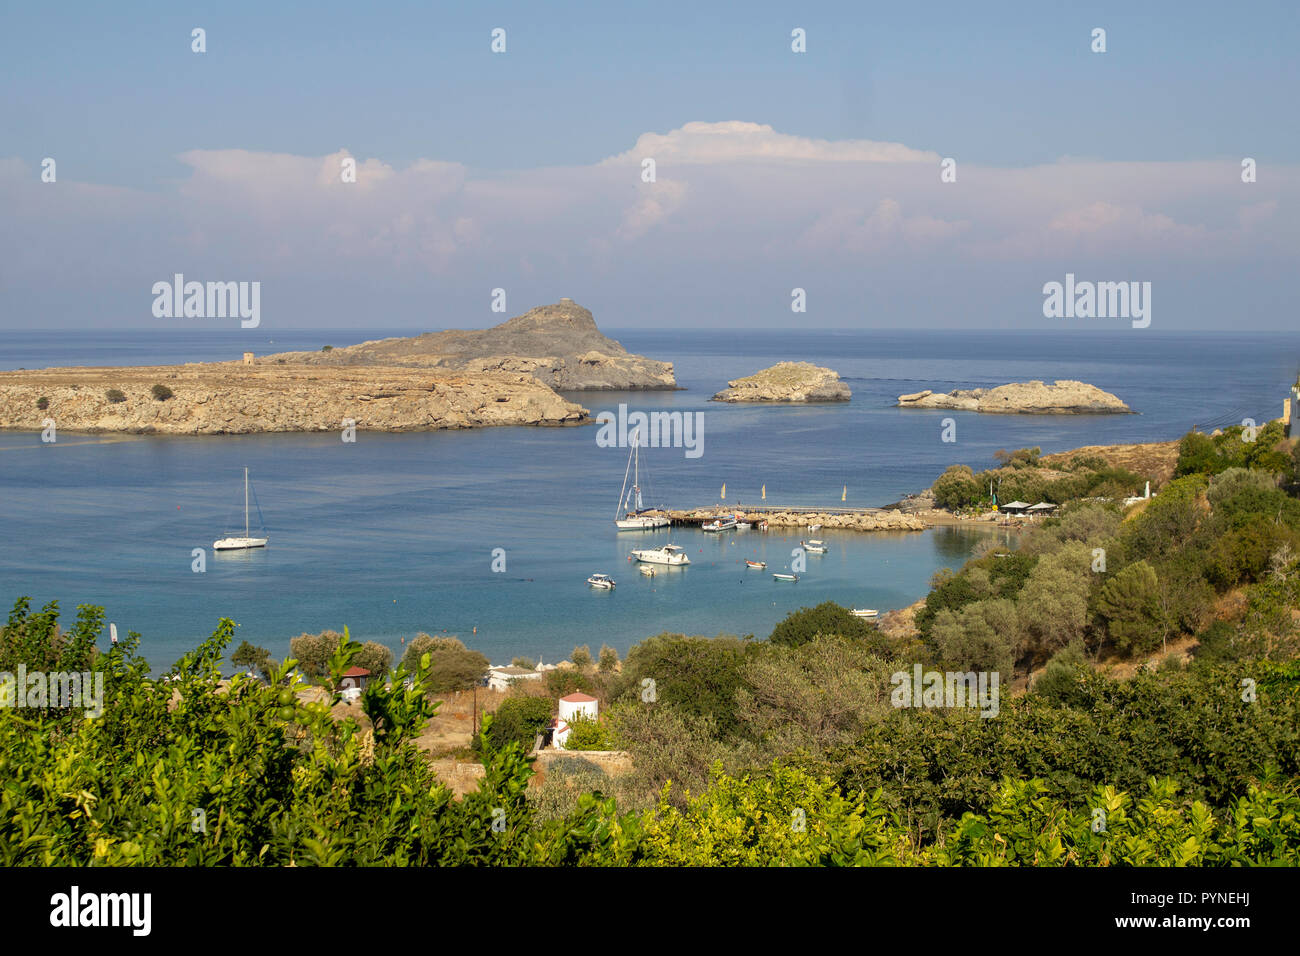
x: 737, y: 141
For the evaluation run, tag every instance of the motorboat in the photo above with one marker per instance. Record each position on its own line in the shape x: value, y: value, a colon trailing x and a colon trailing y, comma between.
x: 786, y: 577
x: 602, y: 581
x: 813, y: 546
x: 647, y: 570
x: 814, y: 528
x: 669, y: 554
x: 864, y: 612
x: 756, y: 565
x: 720, y: 524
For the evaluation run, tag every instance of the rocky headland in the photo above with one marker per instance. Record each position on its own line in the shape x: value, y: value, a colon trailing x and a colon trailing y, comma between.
x: 557, y: 344
x: 787, y: 382
x: 1063, y: 397
x: 232, y: 398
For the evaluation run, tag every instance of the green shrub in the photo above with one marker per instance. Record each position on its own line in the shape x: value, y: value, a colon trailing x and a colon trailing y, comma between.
x: 588, y: 734
x: 801, y: 626
x: 327, y: 348
x: 519, y: 720
x: 452, y: 666
x: 161, y: 392
x: 42, y: 403
x: 115, y: 396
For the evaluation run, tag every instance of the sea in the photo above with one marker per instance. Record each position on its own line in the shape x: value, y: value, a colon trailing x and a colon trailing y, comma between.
x: 490, y: 534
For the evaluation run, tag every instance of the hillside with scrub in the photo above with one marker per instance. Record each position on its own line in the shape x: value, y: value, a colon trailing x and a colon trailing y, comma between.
x: 784, y: 750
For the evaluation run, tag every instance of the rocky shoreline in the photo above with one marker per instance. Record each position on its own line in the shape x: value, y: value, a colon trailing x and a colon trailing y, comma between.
x: 1062, y: 397
x: 787, y: 382
x: 232, y: 398
x: 557, y: 344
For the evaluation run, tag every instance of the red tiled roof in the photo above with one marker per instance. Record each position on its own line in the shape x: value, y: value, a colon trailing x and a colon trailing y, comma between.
x: 578, y: 698
x: 356, y: 672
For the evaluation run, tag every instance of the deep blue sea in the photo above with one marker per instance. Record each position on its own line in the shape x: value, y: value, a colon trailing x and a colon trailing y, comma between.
x: 394, y: 534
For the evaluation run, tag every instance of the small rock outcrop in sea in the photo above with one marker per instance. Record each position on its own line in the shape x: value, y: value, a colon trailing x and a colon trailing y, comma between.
x: 1063, y: 397
x: 232, y: 398
x: 787, y: 382
x: 558, y: 344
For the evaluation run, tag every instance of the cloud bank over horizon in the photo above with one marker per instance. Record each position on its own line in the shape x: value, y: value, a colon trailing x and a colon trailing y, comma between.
x: 737, y: 215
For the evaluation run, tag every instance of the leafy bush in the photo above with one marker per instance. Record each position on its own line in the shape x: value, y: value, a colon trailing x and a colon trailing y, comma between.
x: 115, y: 396
x: 608, y: 661
x: 452, y: 666
x: 588, y: 734
x: 519, y: 720
x: 161, y: 392
x: 313, y: 651
x: 801, y: 626
x: 42, y: 403
x: 957, y: 489
x: 581, y: 657
x: 327, y: 348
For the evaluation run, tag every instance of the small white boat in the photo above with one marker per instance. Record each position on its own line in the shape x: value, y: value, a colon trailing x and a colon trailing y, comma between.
x: 864, y: 612
x: 743, y: 525
x: 762, y: 525
x: 756, y: 565
x: 813, y: 528
x: 669, y: 554
x: 602, y: 581
x: 237, y: 543
x: 720, y: 524
x: 786, y: 577
x: 647, y: 570
x: 813, y: 546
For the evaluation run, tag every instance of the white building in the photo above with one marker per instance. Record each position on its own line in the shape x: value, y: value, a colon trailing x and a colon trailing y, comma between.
x: 577, y: 706
x: 499, y: 678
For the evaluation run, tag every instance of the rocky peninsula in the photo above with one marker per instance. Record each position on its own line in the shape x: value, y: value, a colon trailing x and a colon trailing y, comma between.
x: 787, y: 382
x: 233, y: 398
x: 1063, y: 397
x: 557, y: 344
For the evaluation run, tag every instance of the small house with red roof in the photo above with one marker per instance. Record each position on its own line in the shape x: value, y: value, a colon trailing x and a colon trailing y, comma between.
x: 354, y: 677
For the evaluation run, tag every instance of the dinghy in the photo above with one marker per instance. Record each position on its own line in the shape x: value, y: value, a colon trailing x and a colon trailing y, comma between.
x: 786, y: 577
x: 758, y: 565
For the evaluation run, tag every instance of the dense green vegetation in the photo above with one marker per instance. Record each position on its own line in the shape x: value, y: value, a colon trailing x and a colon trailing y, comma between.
x: 184, y: 772
x: 787, y: 750
x: 1020, y: 477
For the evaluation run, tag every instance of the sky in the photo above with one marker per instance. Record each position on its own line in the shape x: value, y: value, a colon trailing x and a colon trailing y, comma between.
x: 774, y: 170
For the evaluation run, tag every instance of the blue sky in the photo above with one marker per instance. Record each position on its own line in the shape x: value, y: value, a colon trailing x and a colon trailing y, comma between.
x: 1133, y: 153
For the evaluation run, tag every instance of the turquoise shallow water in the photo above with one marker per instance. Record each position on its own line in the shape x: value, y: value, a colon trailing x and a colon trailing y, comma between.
x: 394, y: 534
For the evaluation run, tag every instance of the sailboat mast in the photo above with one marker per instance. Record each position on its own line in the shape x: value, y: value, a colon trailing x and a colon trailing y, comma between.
x: 245, y: 502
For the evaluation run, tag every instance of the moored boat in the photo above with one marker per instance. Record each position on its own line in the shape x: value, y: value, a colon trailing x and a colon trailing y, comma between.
x: 236, y: 543
x: 602, y: 581
x: 758, y: 565
x: 813, y: 546
x: 719, y: 524
x: 669, y: 554
x: 636, y: 516
x: 786, y: 577
x: 864, y: 612
x: 647, y: 570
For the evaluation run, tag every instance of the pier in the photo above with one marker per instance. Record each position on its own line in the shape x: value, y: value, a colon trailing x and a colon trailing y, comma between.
x: 695, y: 517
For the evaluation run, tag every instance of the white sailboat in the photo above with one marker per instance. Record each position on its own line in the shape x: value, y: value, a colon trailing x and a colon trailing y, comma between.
x: 629, y: 502
x: 237, y: 543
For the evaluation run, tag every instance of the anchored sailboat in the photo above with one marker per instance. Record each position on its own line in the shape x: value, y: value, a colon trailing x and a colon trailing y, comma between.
x: 629, y: 501
x: 236, y: 543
